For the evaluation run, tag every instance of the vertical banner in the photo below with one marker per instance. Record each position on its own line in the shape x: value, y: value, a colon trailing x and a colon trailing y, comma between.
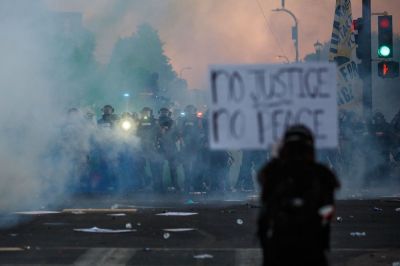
x: 252, y: 105
x: 342, y: 51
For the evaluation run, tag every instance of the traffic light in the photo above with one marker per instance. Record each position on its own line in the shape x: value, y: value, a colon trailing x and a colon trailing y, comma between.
x: 388, y: 69
x: 358, y: 34
x: 385, y: 37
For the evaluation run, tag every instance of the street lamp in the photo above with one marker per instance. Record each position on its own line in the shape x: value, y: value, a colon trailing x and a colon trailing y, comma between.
x: 295, y: 36
x: 318, y: 48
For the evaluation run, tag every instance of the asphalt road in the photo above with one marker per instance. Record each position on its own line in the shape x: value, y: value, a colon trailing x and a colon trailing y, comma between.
x: 223, y: 231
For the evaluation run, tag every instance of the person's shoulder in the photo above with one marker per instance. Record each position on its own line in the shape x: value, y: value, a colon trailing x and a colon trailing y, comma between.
x: 272, y: 164
x: 327, y: 175
x: 269, y: 168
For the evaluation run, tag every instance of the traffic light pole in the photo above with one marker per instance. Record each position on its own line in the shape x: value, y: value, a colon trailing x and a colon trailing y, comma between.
x: 366, y: 64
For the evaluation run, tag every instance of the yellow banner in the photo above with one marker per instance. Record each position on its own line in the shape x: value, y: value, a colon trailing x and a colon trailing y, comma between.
x: 342, y: 51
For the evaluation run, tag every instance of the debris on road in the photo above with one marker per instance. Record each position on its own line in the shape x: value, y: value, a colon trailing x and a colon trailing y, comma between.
x: 128, y: 226
x: 90, y: 210
x: 178, y: 229
x: 239, y: 221
x: 78, y: 212
x: 177, y: 213
x: 56, y: 224
x: 203, y: 256
x: 37, y: 212
x: 339, y: 219
x: 103, y: 230
x: 358, y: 234
x: 166, y: 235
x: 377, y: 209
x: 397, y: 209
x: 190, y: 201
x: 116, y: 214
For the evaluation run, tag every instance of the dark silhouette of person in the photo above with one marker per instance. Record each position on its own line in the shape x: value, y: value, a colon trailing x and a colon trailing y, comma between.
x: 297, y: 203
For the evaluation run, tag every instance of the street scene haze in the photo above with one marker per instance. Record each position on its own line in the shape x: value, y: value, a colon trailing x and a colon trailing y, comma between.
x: 200, y: 132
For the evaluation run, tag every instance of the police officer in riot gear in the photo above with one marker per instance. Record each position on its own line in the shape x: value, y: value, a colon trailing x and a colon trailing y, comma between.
x: 380, y: 143
x: 147, y: 130
x: 108, y: 119
x: 192, y: 133
x: 213, y: 165
x: 167, y: 138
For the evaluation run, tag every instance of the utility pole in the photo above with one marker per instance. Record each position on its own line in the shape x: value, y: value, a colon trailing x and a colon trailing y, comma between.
x: 366, y: 61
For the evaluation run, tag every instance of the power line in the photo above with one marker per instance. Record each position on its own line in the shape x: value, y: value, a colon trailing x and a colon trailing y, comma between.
x: 277, y: 41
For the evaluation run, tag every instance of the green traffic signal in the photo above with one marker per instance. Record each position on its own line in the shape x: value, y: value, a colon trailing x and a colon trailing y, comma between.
x: 384, y: 51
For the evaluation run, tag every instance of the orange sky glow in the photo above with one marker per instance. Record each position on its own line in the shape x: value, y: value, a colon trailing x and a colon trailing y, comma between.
x: 198, y: 33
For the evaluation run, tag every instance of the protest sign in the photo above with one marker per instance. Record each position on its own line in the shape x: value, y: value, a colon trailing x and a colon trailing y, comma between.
x: 252, y: 105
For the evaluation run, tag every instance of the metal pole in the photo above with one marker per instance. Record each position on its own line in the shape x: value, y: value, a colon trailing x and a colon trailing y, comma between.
x: 366, y: 70
x: 295, y: 35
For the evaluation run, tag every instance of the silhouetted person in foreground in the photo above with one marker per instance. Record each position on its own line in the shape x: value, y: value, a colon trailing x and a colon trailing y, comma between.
x: 297, y: 203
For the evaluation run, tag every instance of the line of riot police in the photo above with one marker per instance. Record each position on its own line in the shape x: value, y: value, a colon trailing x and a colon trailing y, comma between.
x: 368, y: 149
x: 143, y: 152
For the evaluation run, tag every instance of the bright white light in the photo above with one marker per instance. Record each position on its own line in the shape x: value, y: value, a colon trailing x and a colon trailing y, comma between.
x: 126, y: 125
x: 126, y: 94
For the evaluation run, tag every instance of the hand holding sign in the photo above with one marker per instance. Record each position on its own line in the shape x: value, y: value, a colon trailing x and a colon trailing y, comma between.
x: 252, y: 105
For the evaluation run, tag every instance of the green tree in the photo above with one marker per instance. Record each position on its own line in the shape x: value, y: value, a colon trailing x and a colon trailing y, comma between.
x: 138, y: 65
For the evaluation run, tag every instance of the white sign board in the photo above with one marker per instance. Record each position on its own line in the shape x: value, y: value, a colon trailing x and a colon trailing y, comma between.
x: 252, y: 105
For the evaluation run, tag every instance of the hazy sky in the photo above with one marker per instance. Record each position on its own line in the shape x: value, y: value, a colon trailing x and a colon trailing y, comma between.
x: 202, y: 32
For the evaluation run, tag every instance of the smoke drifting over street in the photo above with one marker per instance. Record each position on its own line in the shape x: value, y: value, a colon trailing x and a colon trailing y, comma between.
x: 39, y: 81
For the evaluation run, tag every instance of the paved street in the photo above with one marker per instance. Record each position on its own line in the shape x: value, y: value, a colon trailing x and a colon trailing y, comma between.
x: 223, y: 231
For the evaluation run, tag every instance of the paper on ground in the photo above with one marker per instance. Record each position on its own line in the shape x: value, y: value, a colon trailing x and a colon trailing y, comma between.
x: 177, y: 213
x: 203, y: 256
x: 103, y: 230
x: 37, y: 212
x: 178, y: 229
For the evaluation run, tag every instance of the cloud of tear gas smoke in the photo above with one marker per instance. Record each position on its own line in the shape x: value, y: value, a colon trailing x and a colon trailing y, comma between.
x: 200, y: 32
x: 38, y: 148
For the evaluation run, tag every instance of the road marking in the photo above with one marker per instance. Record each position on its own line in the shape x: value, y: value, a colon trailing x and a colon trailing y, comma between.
x: 97, y: 210
x: 6, y: 249
x: 105, y: 256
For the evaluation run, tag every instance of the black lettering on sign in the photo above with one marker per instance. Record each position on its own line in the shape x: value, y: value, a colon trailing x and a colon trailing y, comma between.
x: 283, y: 118
x: 292, y: 71
x: 214, y: 81
x: 236, y: 87
x: 275, y: 123
x: 314, y: 81
x: 215, y: 121
x: 260, y: 92
x: 236, y: 121
x: 237, y: 124
x: 318, y: 113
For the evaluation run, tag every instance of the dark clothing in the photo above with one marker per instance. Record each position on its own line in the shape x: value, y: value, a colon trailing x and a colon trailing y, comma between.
x: 167, y: 138
x: 192, y: 135
x: 147, y: 131
x: 108, y: 121
x: 291, y: 228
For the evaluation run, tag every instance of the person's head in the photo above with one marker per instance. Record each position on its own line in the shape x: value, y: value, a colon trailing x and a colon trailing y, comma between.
x: 191, y: 110
x: 164, y: 112
x: 146, y: 113
x: 378, y: 118
x: 107, y: 110
x: 297, y: 144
